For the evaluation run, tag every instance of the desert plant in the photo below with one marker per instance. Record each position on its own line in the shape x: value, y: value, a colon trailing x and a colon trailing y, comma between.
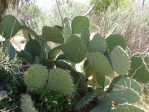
x: 55, y: 71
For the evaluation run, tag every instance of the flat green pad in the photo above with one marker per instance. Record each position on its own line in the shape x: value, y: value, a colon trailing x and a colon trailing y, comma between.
x: 79, y: 23
x: 9, y: 26
x: 61, y: 81
x: 120, y: 60
x: 36, y: 76
x: 97, y: 44
x: 125, y: 90
x: 74, y: 49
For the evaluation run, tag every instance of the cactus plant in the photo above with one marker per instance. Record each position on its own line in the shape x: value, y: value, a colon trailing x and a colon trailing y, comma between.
x: 97, y: 44
x: 33, y: 48
x: 85, y: 37
x: 36, y: 76
x: 120, y: 60
x: 79, y: 23
x: 52, y: 34
x: 27, y: 104
x: 61, y: 81
x: 56, y: 74
x: 74, y: 49
x: 99, y: 63
x: 139, y: 68
x: 9, y: 26
x: 116, y: 40
x: 125, y: 90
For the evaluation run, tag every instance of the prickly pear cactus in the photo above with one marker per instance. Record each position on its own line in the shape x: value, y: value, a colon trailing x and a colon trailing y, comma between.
x: 139, y: 69
x: 74, y: 49
x: 120, y: 60
x: 9, y: 26
x: 79, y: 23
x: 116, y: 40
x: 99, y: 63
x: 126, y: 90
x: 27, y: 104
x: 36, y: 76
x: 61, y: 81
x: 97, y: 44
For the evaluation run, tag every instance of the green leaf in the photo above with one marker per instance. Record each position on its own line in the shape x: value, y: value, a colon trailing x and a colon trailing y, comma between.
x: 125, y: 90
x: 97, y: 44
x: 52, y: 34
x: 33, y: 47
x: 74, y: 49
x: 120, y: 60
x: 116, y: 40
x: 24, y: 55
x: 139, y: 69
x: 9, y: 26
x: 99, y: 63
x: 127, y: 108
x: 60, y: 81
x: 100, y: 66
x: 53, y: 53
x: 79, y: 23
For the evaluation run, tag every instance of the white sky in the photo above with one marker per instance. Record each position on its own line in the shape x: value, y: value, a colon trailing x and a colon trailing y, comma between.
x: 47, y: 4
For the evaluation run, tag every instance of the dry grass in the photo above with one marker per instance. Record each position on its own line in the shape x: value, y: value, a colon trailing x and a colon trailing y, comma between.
x: 132, y: 22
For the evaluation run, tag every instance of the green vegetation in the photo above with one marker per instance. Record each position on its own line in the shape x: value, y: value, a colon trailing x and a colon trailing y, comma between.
x: 50, y: 81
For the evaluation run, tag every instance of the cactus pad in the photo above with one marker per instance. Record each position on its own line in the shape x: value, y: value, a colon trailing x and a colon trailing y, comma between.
x: 99, y: 63
x: 27, y: 104
x: 74, y: 49
x: 36, y: 77
x: 61, y: 81
x: 125, y: 90
x: 120, y: 60
x: 79, y: 23
x: 97, y: 44
x: 116, y: 40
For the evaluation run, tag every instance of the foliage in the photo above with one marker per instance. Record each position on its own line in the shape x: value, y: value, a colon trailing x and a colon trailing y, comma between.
x: 55, y: 71
x: 103, y: 5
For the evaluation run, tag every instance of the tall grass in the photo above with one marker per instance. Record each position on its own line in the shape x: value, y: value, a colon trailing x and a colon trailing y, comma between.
x: 132, y: 22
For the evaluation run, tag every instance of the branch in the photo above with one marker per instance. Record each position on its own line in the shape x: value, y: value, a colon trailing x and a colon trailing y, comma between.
x: 59, y: 10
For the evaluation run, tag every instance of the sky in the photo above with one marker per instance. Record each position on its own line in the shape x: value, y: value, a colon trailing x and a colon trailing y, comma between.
x: 47, y: 4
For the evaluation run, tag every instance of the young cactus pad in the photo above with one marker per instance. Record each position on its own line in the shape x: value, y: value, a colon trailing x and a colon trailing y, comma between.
x: 27, y: 104
x: 61, y: 81
x: 36, y: 77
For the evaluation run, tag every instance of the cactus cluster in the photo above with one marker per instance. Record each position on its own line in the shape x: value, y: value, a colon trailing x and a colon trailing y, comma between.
x: 101, y: 58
